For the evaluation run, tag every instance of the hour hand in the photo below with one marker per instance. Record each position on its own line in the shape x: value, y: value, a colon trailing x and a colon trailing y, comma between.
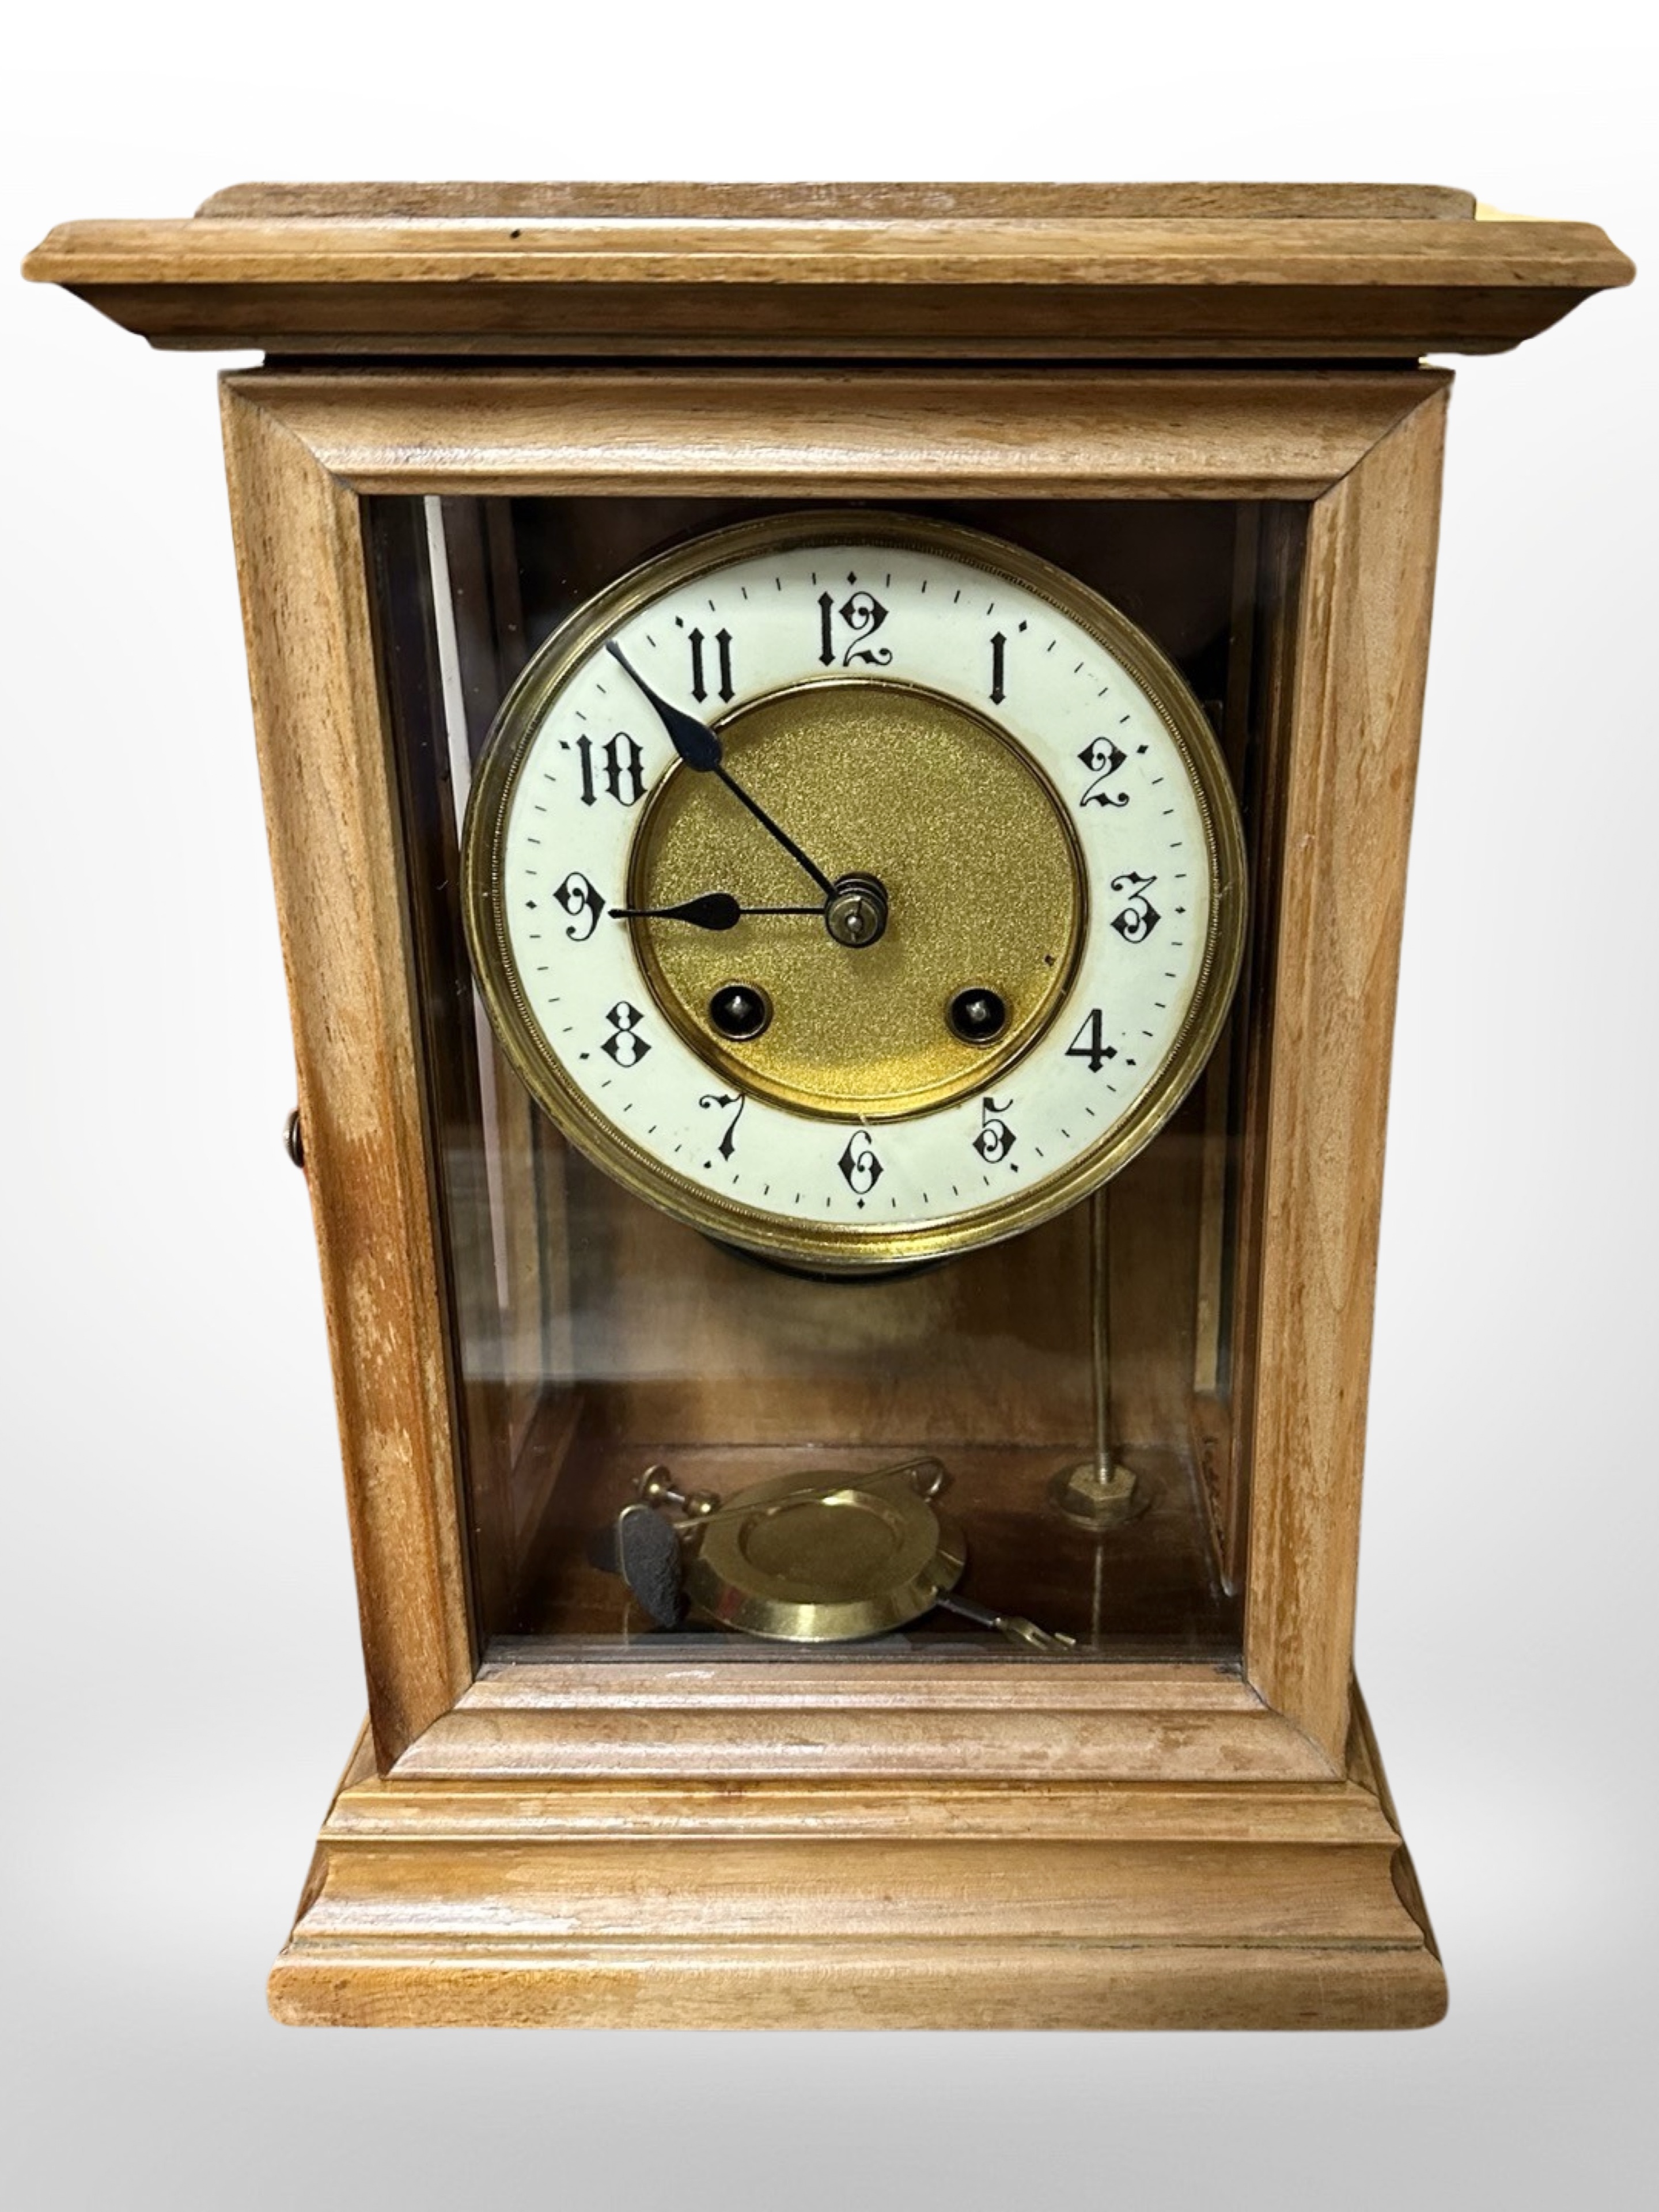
x: 710, y: 911
x: 694, y: 741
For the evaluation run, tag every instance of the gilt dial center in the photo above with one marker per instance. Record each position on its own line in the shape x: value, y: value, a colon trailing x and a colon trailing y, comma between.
x: 950, y: 856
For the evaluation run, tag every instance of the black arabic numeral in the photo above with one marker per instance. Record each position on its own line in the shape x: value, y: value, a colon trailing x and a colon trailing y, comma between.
x: 622, y: 766
x: 864, y: 615
x: 996, y: 1139
x: 728, y: 1143
x: 1140, y: 918
x: 1105, y: 759
x: 579, y: 898
x: 1090, y: 1043
x: 625, y: 1045
x: 722, y: 641
x: 860, y: 1168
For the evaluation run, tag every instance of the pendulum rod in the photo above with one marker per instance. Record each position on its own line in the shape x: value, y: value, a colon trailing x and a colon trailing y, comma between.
x: 1099, y: 1492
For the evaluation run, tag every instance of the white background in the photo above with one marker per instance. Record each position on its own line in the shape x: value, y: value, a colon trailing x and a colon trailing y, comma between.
x: 182, y: 1673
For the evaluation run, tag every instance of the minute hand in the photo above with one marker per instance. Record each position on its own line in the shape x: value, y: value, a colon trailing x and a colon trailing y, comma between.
x: 699, y: 747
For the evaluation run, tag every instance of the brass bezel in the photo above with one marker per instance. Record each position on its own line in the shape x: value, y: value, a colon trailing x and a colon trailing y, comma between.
x: 842, y: 1247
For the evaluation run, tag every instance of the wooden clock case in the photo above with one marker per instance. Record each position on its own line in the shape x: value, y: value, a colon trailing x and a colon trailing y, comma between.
x: 1166, y: 1843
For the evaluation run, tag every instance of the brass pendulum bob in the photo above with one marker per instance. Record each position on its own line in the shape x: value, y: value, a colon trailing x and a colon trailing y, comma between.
x: 818, y: 1559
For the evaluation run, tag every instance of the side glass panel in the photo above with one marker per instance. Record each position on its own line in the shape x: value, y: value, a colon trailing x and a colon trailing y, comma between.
x: 594, y: 1338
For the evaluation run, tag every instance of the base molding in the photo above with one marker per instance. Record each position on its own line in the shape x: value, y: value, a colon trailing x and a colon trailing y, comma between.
x: 463, y: 1903
x: 1052, y: 1985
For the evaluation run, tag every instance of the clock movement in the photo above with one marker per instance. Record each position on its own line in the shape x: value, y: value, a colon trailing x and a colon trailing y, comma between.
x: 838, y: 762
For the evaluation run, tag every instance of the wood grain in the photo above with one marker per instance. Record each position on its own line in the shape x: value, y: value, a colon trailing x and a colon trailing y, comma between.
x: 1326, y: 1814
x: 676, y: 202
x: 1354, y: 703
x: 1021, y: 254
x: 336, y: 849
x: 690, y: 1344
x: 1047, y: 1982
x: 1225, y: 1444
x: 1071, y: 1928
x: 1018, y: 286
x: 855, y: 434
x: 1355, y: 713
x: 1230, y: 1906
x: 923, y: 1726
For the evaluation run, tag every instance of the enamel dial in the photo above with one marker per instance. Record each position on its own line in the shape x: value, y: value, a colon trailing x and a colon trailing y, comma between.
x: 859, y: 889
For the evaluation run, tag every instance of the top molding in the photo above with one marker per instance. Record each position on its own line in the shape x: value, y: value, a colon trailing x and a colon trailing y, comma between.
x: 1012, y: 272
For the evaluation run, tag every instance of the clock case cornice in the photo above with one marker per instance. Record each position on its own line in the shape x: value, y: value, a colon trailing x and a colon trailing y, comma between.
x: 993, y: 272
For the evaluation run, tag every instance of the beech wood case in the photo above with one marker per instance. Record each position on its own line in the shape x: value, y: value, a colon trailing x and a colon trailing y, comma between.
x: 785, y: 1887
x: 833, y: 1842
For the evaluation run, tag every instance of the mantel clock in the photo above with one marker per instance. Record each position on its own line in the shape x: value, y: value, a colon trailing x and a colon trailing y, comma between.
x: 837, y: 762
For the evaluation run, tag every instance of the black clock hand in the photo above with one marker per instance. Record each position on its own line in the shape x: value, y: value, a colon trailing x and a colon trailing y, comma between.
x: 713, y: 910
x: 699, y: 747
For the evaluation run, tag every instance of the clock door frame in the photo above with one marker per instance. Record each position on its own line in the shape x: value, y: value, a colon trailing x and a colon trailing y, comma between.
x: 905, y: 1754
